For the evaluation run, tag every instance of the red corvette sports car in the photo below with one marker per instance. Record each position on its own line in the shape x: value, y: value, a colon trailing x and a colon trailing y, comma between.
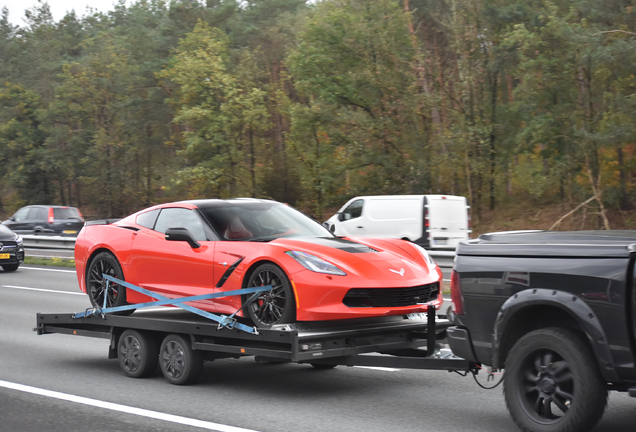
x: 199, y: 247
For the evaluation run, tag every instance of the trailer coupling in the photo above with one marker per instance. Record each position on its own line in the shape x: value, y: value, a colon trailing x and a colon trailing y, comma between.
x: 224, y: 321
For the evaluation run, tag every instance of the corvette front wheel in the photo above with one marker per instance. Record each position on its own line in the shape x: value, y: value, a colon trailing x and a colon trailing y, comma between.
x: 105, y: 263
x: 276, y: 306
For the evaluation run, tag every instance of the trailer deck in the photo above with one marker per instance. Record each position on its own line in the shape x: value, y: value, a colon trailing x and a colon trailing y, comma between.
x: 179, y: 339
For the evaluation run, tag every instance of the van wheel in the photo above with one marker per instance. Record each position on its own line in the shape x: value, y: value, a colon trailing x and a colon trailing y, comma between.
x: 552, y: 383
x: 10, y: 267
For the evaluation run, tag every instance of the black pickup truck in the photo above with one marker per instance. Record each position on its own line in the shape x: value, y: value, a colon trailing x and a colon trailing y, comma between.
x: 556, y: 312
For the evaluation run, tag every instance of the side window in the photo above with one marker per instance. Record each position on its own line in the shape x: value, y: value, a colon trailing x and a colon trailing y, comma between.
x: 39, y: 214
x: 181, y: 218
x: 21, y: 214
x: 353, y: 210
x: 148, y: 219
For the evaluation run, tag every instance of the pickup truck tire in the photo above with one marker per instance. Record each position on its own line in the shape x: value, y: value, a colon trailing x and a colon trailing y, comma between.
x: 138, y: 354
x: 552, y: 383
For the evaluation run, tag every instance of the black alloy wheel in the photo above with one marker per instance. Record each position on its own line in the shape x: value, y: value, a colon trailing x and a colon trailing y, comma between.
x: 552, y: 383
x: 179, y: 363
x: 277, y: 306
x: 138, y: 354
x: 106, y: 263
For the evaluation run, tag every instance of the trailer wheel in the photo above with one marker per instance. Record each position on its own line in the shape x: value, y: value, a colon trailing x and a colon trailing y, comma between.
x: 138, y: 354
x: 320, y: 366
x: 179, y: 363
x: 552, y: 383
x: 106, y: 263
x: 277, y: 306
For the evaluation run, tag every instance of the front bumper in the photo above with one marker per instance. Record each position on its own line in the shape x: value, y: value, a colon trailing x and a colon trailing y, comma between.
x: 12, y: 255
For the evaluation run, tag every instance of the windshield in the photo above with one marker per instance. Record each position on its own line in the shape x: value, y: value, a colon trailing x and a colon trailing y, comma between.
x: 260, y: 221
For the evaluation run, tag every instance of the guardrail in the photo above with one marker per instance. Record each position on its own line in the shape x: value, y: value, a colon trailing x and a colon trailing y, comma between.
x: 48, y: 242
x: 444, y: 259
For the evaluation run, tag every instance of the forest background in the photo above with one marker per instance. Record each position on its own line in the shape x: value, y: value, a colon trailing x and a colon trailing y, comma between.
x: 526, y: 107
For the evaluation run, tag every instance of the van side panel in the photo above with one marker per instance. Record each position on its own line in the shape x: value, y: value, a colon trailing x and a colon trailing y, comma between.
x: 397, y: 217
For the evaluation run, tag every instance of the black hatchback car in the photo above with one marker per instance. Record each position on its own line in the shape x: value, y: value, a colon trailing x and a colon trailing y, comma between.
x: 40, y: 219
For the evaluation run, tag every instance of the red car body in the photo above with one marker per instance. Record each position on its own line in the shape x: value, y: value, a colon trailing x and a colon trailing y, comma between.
x: 331, y: 278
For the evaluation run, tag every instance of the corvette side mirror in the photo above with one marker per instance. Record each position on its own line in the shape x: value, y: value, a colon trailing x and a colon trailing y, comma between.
x: 182, y: 234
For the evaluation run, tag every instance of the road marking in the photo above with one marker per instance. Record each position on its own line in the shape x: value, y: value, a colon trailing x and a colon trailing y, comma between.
x: 42, y: 289
x: 123, y: 408
x: 44, y: 269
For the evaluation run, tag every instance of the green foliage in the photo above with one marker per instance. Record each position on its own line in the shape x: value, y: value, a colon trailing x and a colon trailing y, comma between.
x: 312, y: 103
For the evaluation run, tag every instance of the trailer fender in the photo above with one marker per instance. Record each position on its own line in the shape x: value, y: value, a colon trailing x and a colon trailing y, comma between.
x: 572, y: 305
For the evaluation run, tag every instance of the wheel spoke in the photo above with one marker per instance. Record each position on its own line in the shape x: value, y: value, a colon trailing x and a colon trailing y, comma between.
x: 530, y: 388
x: 560, y: 404
x: 547, y: 359
x: 565, y: 395
x: 531, y: 377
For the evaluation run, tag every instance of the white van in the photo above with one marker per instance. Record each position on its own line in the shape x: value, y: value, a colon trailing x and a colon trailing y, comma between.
x: 432, y: 221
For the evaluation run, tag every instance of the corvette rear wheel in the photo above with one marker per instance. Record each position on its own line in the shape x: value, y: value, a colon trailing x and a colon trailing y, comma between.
x: 272, y: 307
x: 106, y: 263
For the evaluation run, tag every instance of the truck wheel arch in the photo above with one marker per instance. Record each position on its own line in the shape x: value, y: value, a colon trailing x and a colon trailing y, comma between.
x: 536, y: 308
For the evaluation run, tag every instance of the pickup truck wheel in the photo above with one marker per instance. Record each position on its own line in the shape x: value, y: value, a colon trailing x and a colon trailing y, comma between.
x: 179, y: 363
x: 138, y: 354
x: 271, y: 307
x: 552, y: 384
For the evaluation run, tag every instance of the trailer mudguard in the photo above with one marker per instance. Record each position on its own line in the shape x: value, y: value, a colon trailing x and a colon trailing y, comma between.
x: 569, y: 303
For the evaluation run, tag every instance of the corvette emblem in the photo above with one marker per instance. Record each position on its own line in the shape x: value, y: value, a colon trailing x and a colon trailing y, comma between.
x: 401, y: 272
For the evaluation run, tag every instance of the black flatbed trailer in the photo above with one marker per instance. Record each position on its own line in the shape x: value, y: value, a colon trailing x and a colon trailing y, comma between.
x: 180, y: 341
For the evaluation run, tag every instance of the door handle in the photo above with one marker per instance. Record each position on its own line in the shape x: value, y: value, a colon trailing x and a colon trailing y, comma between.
x: 360, y: 227
x: 224, y: 264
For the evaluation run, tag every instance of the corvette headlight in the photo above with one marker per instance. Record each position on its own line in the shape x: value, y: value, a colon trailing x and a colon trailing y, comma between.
x: 426, y: 255
x: 315, y: 264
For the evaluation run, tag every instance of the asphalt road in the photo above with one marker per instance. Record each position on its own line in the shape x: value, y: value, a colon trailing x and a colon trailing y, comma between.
x: 66, y: 383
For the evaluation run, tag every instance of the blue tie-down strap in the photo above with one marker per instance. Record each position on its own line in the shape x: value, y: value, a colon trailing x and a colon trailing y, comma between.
x: 224, y: 321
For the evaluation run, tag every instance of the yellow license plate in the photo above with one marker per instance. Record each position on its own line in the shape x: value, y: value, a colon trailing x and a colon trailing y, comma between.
x: 70, y: 231
x: 5, y: 256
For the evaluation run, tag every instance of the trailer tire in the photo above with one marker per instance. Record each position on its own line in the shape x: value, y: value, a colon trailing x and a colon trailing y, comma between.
x: 137, y: 353
x: 277, y: 306
x: 321, y: 366
x: 180, y: 364
x: 552, y: 383
x: 106, y: 263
